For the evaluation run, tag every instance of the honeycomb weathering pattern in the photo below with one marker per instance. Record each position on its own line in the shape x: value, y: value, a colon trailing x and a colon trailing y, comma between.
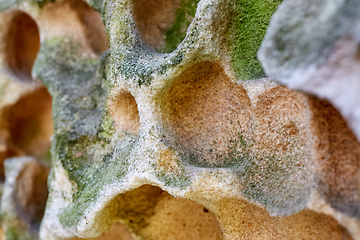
x: 157, y: 131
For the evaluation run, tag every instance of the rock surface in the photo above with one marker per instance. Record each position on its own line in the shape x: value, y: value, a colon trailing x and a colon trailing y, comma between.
x: 165, y: 126
x: 313, y: 46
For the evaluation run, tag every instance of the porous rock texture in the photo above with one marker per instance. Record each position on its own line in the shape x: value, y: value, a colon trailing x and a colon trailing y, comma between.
x: 163, y: 124
x: 314, y: 46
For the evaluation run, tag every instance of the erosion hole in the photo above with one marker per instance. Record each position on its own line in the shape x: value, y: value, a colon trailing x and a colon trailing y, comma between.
x: 30, y: 122
x: 337, y: 163
x: 151, y: 213
x: 26, y: 127
x: 78, y: 20
x: 94, y: 28
x: 124, y: 111
x: 278, y: 114
x: 244, y: 220
x: 22, y: 45
x: 7, y: 151
x: 208, y: 112
x: 162, y: 24
x: 277, y: 172
x: 117, y: 232
x: 32, y: 192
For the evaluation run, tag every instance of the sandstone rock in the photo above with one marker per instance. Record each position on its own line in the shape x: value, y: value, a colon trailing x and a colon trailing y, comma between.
x: 166, y: 127
x: 23, y: 198
x: 313, y: 46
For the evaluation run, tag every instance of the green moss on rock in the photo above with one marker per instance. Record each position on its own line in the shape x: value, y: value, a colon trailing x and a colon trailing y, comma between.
x: 247, y: 30
x: 183, y: 17
x: 92, y: 163
x: 17, y: 233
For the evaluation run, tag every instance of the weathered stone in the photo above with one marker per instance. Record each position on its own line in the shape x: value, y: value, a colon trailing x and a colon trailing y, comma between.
x: 165, y: 126
x: 23, y: 198
x: 313, y: 46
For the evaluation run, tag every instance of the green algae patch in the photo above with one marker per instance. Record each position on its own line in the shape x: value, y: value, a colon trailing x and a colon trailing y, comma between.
x: 133, y: 69
x: 249, y: 22
x: 15, y: 233
x: 110, y: 169
x: 108, y: 126
x: 83, y: 129
x: 183, y: 17
x: 92, y: 163
x: 76, y: 85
